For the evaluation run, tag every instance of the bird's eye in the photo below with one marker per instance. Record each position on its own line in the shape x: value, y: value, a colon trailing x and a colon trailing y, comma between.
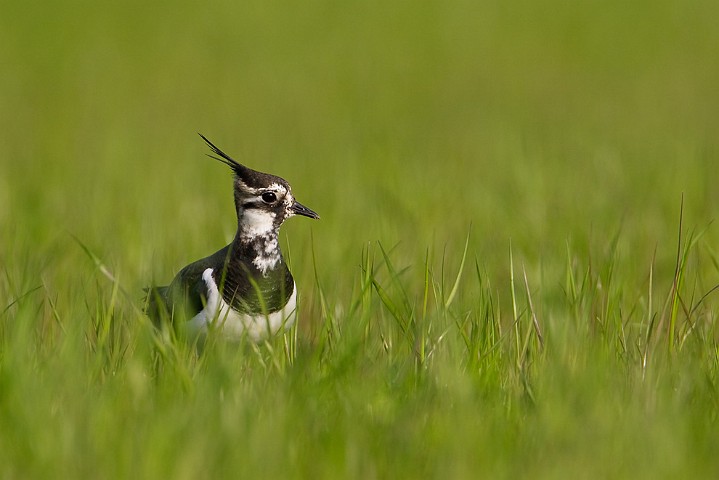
x: 269, y: 197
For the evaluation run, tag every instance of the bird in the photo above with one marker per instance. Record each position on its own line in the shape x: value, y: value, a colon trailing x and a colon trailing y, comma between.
x: 245, y: 289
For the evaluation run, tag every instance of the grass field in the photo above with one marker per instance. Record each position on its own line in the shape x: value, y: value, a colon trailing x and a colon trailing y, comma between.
x: 513, y: 275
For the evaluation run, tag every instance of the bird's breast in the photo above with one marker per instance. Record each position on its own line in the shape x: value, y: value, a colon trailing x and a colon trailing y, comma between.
x: 233, y: 324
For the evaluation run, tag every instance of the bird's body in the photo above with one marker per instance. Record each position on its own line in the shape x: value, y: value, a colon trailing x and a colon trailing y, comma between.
x: 246, y: 287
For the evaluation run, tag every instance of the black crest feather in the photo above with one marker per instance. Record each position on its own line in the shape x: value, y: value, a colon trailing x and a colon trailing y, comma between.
x: 251, y: 178
x: 224, y: 158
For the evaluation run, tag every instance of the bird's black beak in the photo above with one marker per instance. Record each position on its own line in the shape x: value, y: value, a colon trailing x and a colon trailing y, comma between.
x: 299, y: 209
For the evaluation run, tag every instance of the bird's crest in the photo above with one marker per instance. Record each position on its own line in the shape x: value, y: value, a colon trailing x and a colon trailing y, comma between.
x: 238, y: 168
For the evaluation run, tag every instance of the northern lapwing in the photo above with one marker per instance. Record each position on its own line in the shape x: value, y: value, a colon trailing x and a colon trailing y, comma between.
x: 244, y: 288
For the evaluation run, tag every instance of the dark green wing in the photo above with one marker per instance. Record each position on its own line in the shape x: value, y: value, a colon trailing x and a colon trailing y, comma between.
x: 186, y: 296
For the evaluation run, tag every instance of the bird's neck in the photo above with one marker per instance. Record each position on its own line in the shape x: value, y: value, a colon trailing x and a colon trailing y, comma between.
x: 256, y: 278
x: 257, y: 243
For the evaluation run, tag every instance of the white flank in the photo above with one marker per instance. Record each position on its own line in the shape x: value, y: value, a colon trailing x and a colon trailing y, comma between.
x: 233, y: 325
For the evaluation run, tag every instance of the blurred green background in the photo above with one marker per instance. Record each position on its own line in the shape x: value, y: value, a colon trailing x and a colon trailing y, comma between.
x: 399, y: 121
x: 557, y: 126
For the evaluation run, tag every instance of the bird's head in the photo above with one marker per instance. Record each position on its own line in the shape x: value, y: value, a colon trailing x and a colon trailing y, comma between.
x: 262, y: 201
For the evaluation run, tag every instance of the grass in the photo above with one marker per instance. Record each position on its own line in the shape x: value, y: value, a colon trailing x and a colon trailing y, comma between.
x: 515, y: 272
